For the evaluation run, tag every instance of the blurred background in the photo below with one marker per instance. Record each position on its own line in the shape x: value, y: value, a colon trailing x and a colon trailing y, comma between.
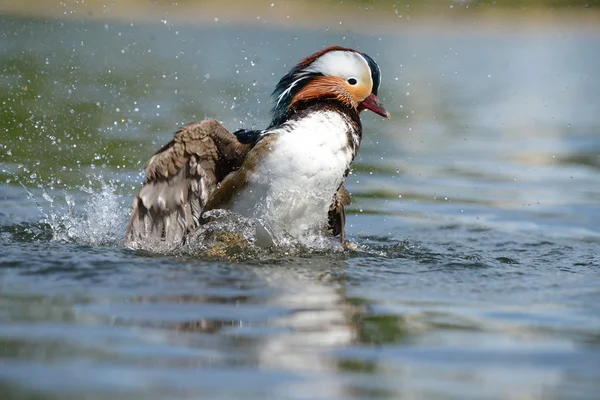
x: 476, y: 208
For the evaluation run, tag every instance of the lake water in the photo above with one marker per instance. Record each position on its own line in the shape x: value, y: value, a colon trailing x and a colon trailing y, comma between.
x: 476, y: 214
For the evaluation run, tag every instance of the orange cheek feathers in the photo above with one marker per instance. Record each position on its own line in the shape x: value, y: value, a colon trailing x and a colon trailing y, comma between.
x: 326, y: 87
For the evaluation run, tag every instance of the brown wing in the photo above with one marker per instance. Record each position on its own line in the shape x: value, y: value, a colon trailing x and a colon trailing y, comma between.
x: 180, y: 178
x: 337, y: 213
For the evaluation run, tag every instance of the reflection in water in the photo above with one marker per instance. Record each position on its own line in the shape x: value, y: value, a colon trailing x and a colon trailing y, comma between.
x: 293, y: 329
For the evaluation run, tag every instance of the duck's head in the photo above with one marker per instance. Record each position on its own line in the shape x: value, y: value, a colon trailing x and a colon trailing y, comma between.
x: 334, y: 73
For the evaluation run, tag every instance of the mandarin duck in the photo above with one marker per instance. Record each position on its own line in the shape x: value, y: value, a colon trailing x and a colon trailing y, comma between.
x: 290, y: 174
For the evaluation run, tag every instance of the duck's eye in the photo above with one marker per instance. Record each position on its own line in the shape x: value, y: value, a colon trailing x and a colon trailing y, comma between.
x: 352, y: 81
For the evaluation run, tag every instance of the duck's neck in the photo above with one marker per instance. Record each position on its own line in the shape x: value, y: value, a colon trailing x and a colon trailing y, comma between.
x: 285, y: 112
x: 301, y: 118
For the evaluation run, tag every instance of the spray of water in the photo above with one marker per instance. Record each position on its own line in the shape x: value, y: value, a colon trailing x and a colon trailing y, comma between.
x: 98, y: 214
x: 100, y: 221
x: 102, y: 217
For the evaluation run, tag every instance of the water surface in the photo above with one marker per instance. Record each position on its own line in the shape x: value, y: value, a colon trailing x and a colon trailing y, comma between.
x: 476, y: 214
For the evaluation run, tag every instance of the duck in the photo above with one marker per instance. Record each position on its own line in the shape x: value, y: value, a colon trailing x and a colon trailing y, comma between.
x: 290, y: 175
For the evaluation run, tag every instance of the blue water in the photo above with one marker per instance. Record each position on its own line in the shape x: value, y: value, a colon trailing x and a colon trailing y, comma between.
x: 476, y: 216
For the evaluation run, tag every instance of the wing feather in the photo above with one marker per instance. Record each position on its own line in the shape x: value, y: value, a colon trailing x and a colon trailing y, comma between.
x: 337, y: 213
x: 180, y: 178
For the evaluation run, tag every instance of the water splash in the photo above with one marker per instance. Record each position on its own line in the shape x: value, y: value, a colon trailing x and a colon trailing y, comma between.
x: 97, y: 215
x: 101, y: 220
x: 102, y: 217
x: 234, y: 237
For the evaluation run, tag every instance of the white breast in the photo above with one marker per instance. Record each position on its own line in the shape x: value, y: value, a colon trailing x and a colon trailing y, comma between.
x: 293, y: 186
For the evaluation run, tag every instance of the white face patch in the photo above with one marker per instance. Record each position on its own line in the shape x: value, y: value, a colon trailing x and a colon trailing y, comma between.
x: 344, y: 64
